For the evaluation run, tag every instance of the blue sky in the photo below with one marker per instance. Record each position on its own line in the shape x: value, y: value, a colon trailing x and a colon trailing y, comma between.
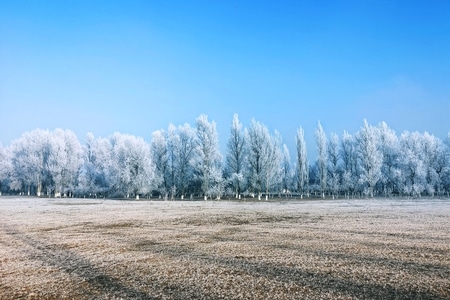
x: 136, y: 66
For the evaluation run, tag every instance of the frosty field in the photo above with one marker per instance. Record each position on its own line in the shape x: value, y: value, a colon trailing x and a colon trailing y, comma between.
x: 332, y: 249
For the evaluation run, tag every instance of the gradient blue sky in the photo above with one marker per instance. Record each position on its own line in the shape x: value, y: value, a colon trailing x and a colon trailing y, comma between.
x: 136, y: 66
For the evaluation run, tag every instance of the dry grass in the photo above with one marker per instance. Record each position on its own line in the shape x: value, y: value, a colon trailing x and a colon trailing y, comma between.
x: 358, y: 249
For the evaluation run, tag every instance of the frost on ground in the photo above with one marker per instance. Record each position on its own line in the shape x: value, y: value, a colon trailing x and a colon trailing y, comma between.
x: 356, y: 249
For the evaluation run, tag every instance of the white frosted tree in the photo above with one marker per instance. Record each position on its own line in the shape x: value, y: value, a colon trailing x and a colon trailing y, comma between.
x: 43, y: 159
x: 132, y: 170
x: 93, y: 177
x: 86, y: 173
x: 273, y: 170
x: 286, y: 170
x: 389, y: 147
x: 413, y: 168
x: 333, y: 164
x: 208, y: 164
x: 181, y: 145
x: 160, y: 157
x: 236, y: 155
x: 5, y: 166
x: 433, y: 156
x: 29, y: 162
x: 370, y: 157
x: 64, y: 161
x: 185, y: 157
x: 258, y: 138
x: 264, y: 158
x: 348, y: 156
x: 446, y: 172
x: 321, y: 141
x: 173, y: 145
x: 302, y: 163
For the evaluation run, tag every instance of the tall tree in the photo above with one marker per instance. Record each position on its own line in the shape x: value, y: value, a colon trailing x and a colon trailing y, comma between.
x: 333, y: 164
x: 132, y: 169
x: 235, y: 159
x: 160, y: 157
x: 208, y: 156
x: 433, y: 156
x: 446, y: 172
x: 264, y: 158
x: 302, y: 163
x: 29, y: 162
x: 350, y: 170
x: 413, y: 171
x: 286, y: 170
x: 370, y: 157
x: 93, y: 176
x: 5, y: 166
x: 321, y: 141
x: 185, y: 157
x: 389, y: 147
x: 181, y: 145
x: 64, y: 161
x: 173, y: 148
x: 273, y: 163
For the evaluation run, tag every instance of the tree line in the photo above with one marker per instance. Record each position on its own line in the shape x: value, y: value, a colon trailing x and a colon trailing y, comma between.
x: 185, y: 162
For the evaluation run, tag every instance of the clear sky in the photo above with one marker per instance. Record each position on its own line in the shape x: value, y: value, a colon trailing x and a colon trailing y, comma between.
x: 136, y: 66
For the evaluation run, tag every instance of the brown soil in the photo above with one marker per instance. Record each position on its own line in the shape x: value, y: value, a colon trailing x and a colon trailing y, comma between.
x: 343, y: 249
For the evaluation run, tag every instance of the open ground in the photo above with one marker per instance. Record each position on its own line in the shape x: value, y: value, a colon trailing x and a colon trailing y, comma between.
x: 321, y: 249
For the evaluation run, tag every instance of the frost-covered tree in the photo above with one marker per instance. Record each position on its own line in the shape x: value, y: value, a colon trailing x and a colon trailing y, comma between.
x: 322, y: 159
x: 286, y: 170
x: 348, y: 154
x: 64, y: 161
x: 263, y: 158
x: 433, y: 156
x: 302, y: 163
x: 370, y: 157
x: 446, y: 172
x: 181, y: 144
x: 29, y: 162
x: 173, y: 144
x: 93, y: 176
x: 273, y: 163
x: 132, y: 170
x: 257, y: 140
x: 43, y: 159
x: 413, y: 169
x: 208, y: 157
x: 333, y: 164
x: 185, y: 151
x: 389, y: 147
x: 236, y: 156
x: 442, y: 169
x: 5, y: 166
x: 160, y: 157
